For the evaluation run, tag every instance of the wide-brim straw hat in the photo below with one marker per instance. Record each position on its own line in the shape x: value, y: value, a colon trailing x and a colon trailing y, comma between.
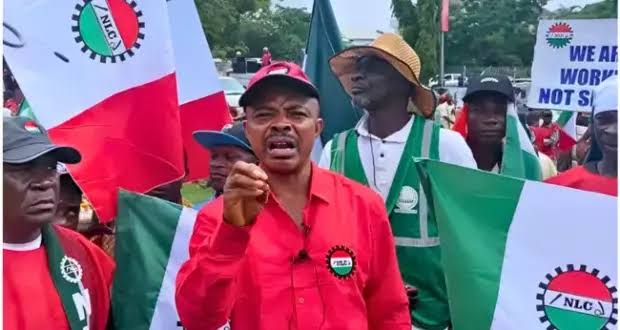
x: 396, y: 51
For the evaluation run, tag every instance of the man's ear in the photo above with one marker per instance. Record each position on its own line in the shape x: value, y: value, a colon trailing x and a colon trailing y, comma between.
x: 319, y: 127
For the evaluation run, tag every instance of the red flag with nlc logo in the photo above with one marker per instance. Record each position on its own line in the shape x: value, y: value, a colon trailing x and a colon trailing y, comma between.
x: 202, y: 101
x: 100, y: 75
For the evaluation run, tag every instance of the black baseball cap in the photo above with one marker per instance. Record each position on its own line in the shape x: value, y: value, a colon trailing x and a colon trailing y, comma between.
x: 490, y: 83
x: 231, y: 135
x: 25, y: 140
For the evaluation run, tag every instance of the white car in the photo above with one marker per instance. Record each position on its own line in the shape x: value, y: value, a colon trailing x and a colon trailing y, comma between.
x: 233, y: 90
x: 450, y: 80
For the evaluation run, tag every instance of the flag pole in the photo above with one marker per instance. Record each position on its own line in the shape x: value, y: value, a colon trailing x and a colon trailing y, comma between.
x: 444, y: 24
x: 441, y: 61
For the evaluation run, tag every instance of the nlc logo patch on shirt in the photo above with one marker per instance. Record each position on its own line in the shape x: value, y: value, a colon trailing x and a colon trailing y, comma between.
x: 341, y: 261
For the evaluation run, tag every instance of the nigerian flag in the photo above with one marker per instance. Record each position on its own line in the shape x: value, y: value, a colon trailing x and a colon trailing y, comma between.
x: 521, y: 254
x: 324, y: 41
x: 26, y: 111
x: 152, y: 242
x: 520, y: 159
x: 568, y: 133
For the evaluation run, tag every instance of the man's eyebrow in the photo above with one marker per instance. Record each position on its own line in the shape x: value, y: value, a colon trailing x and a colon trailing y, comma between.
x: 263, y: 106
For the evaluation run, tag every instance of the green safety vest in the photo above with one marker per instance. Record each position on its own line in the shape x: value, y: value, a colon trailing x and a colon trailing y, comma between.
x: 412, y: 220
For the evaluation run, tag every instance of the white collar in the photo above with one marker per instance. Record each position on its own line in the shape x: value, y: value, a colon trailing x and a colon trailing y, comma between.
x: 495, y: 169
x: 399, y: 136
x: 28, y: 246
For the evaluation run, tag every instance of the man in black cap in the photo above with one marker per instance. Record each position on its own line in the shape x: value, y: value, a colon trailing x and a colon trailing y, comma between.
x: 483, y: 123
x: 53, y: 278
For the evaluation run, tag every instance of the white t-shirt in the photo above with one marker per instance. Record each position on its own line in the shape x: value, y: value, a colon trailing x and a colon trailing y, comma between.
x: 387, y: 153
x: 28, y: 246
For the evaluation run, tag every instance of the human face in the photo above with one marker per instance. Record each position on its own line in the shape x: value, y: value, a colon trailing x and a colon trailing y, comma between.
x: 547, y: 117
x: 222, y: 160
x: 487, y: 118
x: 68, y: 211
x: 30, y: 192
x: 605, y: 130
x: 282, y: 124
x: 533, y: 118
x: 375, y: 82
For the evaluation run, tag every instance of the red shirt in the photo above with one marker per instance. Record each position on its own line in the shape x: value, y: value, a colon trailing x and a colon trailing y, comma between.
x: 580, y: 178
x: 266, y: 59
x: 340, y: 272
x: 11, y: 105
x: 30, y: 300
x: 551, y: 132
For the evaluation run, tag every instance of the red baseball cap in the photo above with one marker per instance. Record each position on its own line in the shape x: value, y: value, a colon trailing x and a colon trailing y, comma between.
x: 284, y: 73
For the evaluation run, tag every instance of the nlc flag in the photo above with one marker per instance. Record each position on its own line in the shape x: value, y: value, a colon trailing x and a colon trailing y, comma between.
x: 152, y: 242
x: 100, y: 75
x: 522, y: 254
x: 202, y: 101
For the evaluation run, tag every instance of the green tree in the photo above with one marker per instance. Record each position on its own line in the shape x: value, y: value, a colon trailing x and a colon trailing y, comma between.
x: 249, y: 25
x: 493, y: 32
x: 221, y: 20
x: 427, y: 43
x: 603, y: 9
x: 284, y: 30
x: 406, y: 14
x: 419, y: 27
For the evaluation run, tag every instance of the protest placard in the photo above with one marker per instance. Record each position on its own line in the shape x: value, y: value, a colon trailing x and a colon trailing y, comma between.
x: 571, y: 57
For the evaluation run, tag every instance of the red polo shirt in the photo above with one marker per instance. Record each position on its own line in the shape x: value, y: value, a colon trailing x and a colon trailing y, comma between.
x: 340, y: 272
x: 542, y: 133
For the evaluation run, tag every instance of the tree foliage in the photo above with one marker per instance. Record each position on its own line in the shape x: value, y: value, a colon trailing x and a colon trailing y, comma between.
x: 427, y: 43
x: 419, y: 27
x: 484, y: 32
x: 603, y: 9
x: 249, y: 25
x: 284, y: 30
x: 406, y: 14
x: 493, y: 32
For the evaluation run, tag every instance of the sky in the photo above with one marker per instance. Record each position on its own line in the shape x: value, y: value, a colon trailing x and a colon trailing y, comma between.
x: 362, y: 18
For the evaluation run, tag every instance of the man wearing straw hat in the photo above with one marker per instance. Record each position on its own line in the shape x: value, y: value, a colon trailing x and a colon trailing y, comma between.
x: 383, y: 79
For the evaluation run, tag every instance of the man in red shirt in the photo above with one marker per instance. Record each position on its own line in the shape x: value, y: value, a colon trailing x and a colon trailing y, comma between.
x: 266, y: 59
x: 53, y: 278
x: 294, y: 246
x: 547, y: 136
x: 599, y: 173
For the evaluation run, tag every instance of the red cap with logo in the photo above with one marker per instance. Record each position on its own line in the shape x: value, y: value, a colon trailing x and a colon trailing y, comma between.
x: 282, y: 73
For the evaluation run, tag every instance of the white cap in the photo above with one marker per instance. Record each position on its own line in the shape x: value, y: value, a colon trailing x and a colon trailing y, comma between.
x: 606, y: 96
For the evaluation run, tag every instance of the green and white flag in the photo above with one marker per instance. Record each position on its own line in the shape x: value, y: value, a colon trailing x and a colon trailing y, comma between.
x: 26, y: 111
x: 522, y: 254
x: 568, y: 134
x: 324, y: 41
x: 152, y: 242
x: 520, y: 159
